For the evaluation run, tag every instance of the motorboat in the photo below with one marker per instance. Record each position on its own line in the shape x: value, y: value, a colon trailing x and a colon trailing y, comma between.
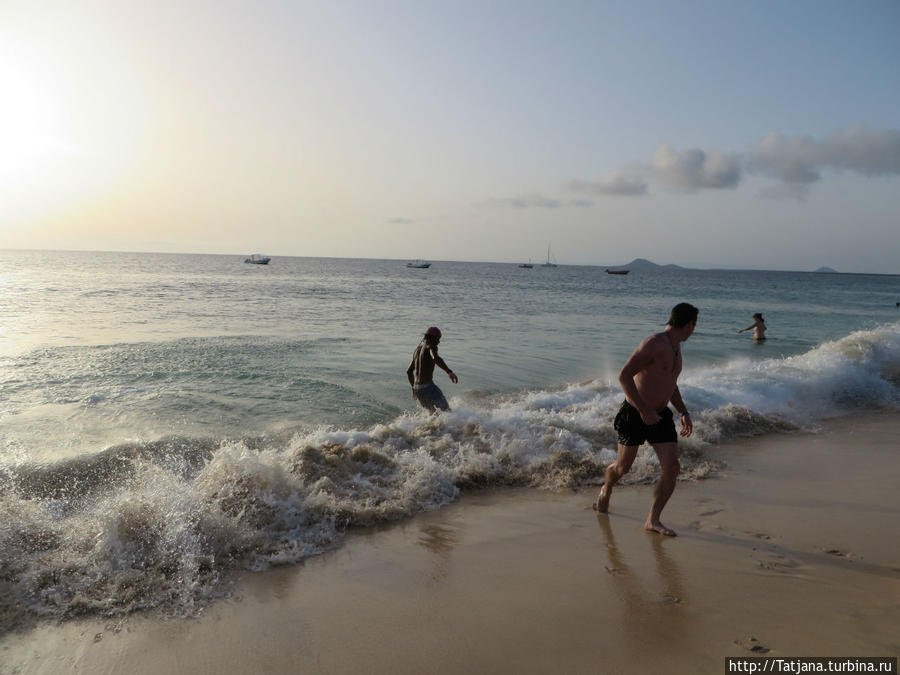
x: 418, y: 265
x: 617, y: 271
x: 257, y: 259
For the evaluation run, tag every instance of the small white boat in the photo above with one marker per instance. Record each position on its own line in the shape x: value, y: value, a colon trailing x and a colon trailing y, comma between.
x: 419, y: 265
x: 257, y: 259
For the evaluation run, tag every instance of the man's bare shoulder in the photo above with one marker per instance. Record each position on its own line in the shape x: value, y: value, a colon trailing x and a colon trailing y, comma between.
x: 653, y: 343
x: 644, y: 354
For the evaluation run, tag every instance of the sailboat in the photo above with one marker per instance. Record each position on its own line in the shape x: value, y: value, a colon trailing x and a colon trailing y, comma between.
x: 527, y: 265
x: 548, y: 263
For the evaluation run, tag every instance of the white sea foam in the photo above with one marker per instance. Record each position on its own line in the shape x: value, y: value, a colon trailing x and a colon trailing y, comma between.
x: 857, y: 372
x: 155, y: 524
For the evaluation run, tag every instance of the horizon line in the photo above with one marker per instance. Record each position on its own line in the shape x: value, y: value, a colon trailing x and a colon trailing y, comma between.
x: 661, y: 266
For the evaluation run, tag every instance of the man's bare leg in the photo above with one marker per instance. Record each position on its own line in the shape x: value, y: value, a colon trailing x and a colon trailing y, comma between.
x: 668, y: 461
x: 614, y: 472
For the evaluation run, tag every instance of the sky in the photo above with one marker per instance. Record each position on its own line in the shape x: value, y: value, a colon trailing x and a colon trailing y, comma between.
x: 744, y: 134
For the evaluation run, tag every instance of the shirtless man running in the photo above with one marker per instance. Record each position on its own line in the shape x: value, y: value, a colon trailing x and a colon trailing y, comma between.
x: 421, y: 370
x: 649, y: 379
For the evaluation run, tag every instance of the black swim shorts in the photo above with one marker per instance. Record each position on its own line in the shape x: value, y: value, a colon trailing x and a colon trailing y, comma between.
x: 633, y: 430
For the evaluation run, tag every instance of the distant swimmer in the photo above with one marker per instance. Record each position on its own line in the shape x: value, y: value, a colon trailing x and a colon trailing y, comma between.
x: 650, y: 381
x: 421, y: 370
x: 758, y: 326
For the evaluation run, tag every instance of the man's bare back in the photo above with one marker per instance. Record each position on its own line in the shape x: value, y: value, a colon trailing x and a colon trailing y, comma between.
x: 424, y: 359
x: 421, y: 372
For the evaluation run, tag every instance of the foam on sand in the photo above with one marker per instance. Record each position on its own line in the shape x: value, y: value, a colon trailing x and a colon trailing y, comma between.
x: 154, y: 525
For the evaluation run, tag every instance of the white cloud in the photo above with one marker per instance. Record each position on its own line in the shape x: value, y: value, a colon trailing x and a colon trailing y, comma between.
x: 533, y: 200
x: 796, y: 164
x: 626, y: 182
x: 695, y: 169
x: 800, y: 161
x: 792, y: 161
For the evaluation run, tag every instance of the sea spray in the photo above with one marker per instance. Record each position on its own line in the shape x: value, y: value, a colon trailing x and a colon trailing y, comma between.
x: 155, y: 525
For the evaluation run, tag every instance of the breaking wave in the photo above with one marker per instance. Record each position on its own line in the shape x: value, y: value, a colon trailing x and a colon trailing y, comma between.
x: 155, y: 525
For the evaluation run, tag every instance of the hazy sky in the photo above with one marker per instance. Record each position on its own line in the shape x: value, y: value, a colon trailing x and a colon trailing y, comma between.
x: 736, y: 134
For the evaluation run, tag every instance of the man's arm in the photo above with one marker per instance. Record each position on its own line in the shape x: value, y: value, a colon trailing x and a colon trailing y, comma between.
x: 687, y: 425
x: 439, y: 362
x: 412, y: 369
x: 640, y: 359
x: 752, y: 325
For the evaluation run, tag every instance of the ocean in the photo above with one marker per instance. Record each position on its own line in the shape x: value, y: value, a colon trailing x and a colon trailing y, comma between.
x: 167, y: 419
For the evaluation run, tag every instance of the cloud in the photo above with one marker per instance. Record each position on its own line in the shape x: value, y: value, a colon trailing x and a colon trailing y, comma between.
x: 792, y: 161
x: 401, y: 221
x: 694, y: 169
x: 800, y: 161
x: 626, y: 182
x: 529, y: 201
x: 796, y: 164
x: 867, y: 151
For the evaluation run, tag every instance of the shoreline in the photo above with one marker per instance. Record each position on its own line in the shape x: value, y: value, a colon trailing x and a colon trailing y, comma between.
x: 791, y: 548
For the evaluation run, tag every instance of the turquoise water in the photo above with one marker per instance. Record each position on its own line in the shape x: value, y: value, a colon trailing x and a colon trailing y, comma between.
x: 168, y: 417
x: 100, y: 348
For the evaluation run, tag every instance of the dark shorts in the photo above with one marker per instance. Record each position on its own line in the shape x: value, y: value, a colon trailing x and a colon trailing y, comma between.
x: 430, y: 396
x: 633, y: 431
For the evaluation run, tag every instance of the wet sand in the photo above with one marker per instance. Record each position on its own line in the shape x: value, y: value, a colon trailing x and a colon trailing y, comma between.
x: 793, y: 548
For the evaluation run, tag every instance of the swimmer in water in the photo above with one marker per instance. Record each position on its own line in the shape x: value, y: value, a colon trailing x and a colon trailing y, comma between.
x: 758, y: 326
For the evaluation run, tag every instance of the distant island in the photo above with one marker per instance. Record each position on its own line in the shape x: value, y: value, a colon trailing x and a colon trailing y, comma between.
x: 645, y: 265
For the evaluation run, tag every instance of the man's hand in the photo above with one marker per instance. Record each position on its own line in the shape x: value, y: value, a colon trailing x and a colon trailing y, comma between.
x: 453, y: 378
x: 687, y: 426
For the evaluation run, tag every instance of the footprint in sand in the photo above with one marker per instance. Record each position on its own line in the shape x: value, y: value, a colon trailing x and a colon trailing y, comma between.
x: 838, y: 552
x: 751, y: 644
x: 778, y: 563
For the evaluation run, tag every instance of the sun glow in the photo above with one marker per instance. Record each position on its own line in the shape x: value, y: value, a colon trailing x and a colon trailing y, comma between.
x: 26, y: 124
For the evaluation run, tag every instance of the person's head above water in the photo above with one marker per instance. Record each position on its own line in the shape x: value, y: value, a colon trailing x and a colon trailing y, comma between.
x: 433, y: 334
x: 758, y: 316
x: 682, y: 314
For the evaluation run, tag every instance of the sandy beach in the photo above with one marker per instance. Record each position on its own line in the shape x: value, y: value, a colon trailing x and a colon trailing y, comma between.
x: 790, y: 550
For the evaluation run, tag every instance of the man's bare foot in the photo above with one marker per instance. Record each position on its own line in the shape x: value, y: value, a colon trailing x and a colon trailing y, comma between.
x: 660, y: 528
x: 602, y: 503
